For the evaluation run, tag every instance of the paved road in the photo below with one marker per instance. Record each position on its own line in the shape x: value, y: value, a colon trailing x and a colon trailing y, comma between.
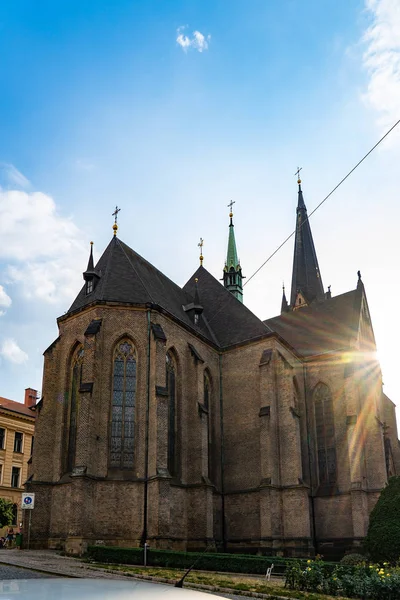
x: 7, y: 572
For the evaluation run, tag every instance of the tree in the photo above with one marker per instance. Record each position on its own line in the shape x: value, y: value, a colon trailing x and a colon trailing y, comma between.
x: 6, y: 512
x: 383, y: 538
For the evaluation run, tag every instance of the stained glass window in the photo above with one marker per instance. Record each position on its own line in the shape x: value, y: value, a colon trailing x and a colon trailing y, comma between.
x: 325, y: 430
x: 123, y: 407
x: 172, y: 425
x: 76, y: 377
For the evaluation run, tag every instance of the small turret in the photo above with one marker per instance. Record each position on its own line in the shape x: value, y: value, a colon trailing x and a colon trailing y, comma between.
x: 284, y: 305
x: 91, y: 276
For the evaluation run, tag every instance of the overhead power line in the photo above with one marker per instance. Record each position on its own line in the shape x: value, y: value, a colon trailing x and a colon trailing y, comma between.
x: 322, y: 201
x: 312, y: 212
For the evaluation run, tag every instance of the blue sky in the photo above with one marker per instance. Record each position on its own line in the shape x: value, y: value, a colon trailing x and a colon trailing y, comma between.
x: 170, y: 109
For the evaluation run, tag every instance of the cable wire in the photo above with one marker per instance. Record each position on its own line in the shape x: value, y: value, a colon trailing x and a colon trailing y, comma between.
x: 313, y: 211
x: 324, y: 200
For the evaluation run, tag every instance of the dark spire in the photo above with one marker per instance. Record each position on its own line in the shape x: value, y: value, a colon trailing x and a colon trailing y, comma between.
x: 233, y: 278
x: 91, y: 276
x: 284, y: 305
x: 90, y: 267
x: 195, y: 308
x: 360, y: 285
x: 306, y: 277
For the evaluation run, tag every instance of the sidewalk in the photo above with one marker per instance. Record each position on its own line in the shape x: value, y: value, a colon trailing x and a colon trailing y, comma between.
x: 48, y: 561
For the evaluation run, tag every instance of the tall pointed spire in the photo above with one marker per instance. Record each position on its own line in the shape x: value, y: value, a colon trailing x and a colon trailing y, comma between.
x: 233, y: 278
x: 306, y: 279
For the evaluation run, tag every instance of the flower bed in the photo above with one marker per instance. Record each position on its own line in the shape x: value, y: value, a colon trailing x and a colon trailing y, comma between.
x: 361, y: 581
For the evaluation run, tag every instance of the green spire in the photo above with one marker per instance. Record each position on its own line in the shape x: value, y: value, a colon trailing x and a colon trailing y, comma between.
x: 231, y: 257
x: 232, y: 270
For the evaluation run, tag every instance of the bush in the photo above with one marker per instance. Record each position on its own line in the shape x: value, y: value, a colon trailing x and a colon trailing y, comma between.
x: 353, y: 559
x: 383, y: 538
x: 6, y: 512
x: 362, y: 581
x: 234, y: 563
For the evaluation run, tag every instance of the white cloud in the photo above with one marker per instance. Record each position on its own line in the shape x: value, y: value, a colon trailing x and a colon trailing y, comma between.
x: 12, y: 352
x: 382, y: 60
x: 39, y: 248
x: 198, y: 41
x: 5, y: 300
x: 84, y: 165
x: 14, y: 177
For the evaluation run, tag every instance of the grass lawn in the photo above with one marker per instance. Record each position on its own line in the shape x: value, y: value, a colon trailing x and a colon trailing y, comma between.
x: 240, y: 583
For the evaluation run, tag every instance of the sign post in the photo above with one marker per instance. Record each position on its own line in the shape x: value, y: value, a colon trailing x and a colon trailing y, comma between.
x: 28, y: 503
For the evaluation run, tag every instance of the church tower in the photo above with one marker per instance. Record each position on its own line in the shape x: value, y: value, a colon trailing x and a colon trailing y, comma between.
x: 233, y: 278
x: 306, y: 279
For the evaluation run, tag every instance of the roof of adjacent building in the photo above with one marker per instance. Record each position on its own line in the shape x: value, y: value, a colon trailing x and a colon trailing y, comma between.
x: 16, y: 407
x: 322, y: 327
x: 126, y: 277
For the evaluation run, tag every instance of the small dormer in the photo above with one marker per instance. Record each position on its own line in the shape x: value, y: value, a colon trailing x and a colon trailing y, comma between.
x: 300, y: 301
x: 194, y: 309
x: 91, y: 276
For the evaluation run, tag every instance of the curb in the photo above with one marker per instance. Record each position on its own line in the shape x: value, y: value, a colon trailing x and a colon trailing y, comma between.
x: 57, y: 573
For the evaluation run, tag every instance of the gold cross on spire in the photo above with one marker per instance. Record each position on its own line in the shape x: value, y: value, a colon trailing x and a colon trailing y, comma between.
x: 230, y: 205
x: 115, y: 215
x: 200, y: 245
x: 298, y: 174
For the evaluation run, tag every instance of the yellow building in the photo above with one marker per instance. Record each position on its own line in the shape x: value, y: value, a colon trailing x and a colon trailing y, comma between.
x: 17, y: 428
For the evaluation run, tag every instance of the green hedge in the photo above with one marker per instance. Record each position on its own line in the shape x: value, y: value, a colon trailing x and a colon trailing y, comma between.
x: 234, y: 563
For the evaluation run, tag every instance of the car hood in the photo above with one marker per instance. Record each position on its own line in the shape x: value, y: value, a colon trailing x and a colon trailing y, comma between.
x: 89, y: 589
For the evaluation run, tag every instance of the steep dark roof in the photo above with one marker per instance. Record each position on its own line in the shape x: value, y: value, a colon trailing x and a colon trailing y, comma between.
x: 322, y: 327
x: 230, y: 321
x: 127, y: 277
x: 306, y: 276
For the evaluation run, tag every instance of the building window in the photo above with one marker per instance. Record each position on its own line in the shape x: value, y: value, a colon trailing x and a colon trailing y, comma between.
x: 325, y: 431
x: 172, y: 420
x: 2, y: 438
x: 75, y: 379
x: 32, y: 444
x: 89, y: 286
x: 15, y: 474
x: 123, y: 407
x: 206, y: 402
x: 18, y: 442
x: 1, y: 474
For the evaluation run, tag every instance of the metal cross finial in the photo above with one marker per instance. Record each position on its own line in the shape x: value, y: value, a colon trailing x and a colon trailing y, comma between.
x: 231, y: 203
x: 115, y: 213
x: 298, y: 174
x: 200, y: 245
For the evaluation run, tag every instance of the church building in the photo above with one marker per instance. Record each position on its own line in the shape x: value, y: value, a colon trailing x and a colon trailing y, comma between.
x: 175, y: 416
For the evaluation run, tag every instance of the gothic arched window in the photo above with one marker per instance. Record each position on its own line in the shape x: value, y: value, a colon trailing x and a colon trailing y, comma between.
x: 172, y: 416
x: 123, y: 406
x: 206, y: 403
x: 75, y: 379
x: 325, y: 430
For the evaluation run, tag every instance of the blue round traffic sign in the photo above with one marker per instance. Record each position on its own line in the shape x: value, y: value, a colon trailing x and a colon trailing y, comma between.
x: 27, y: 500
